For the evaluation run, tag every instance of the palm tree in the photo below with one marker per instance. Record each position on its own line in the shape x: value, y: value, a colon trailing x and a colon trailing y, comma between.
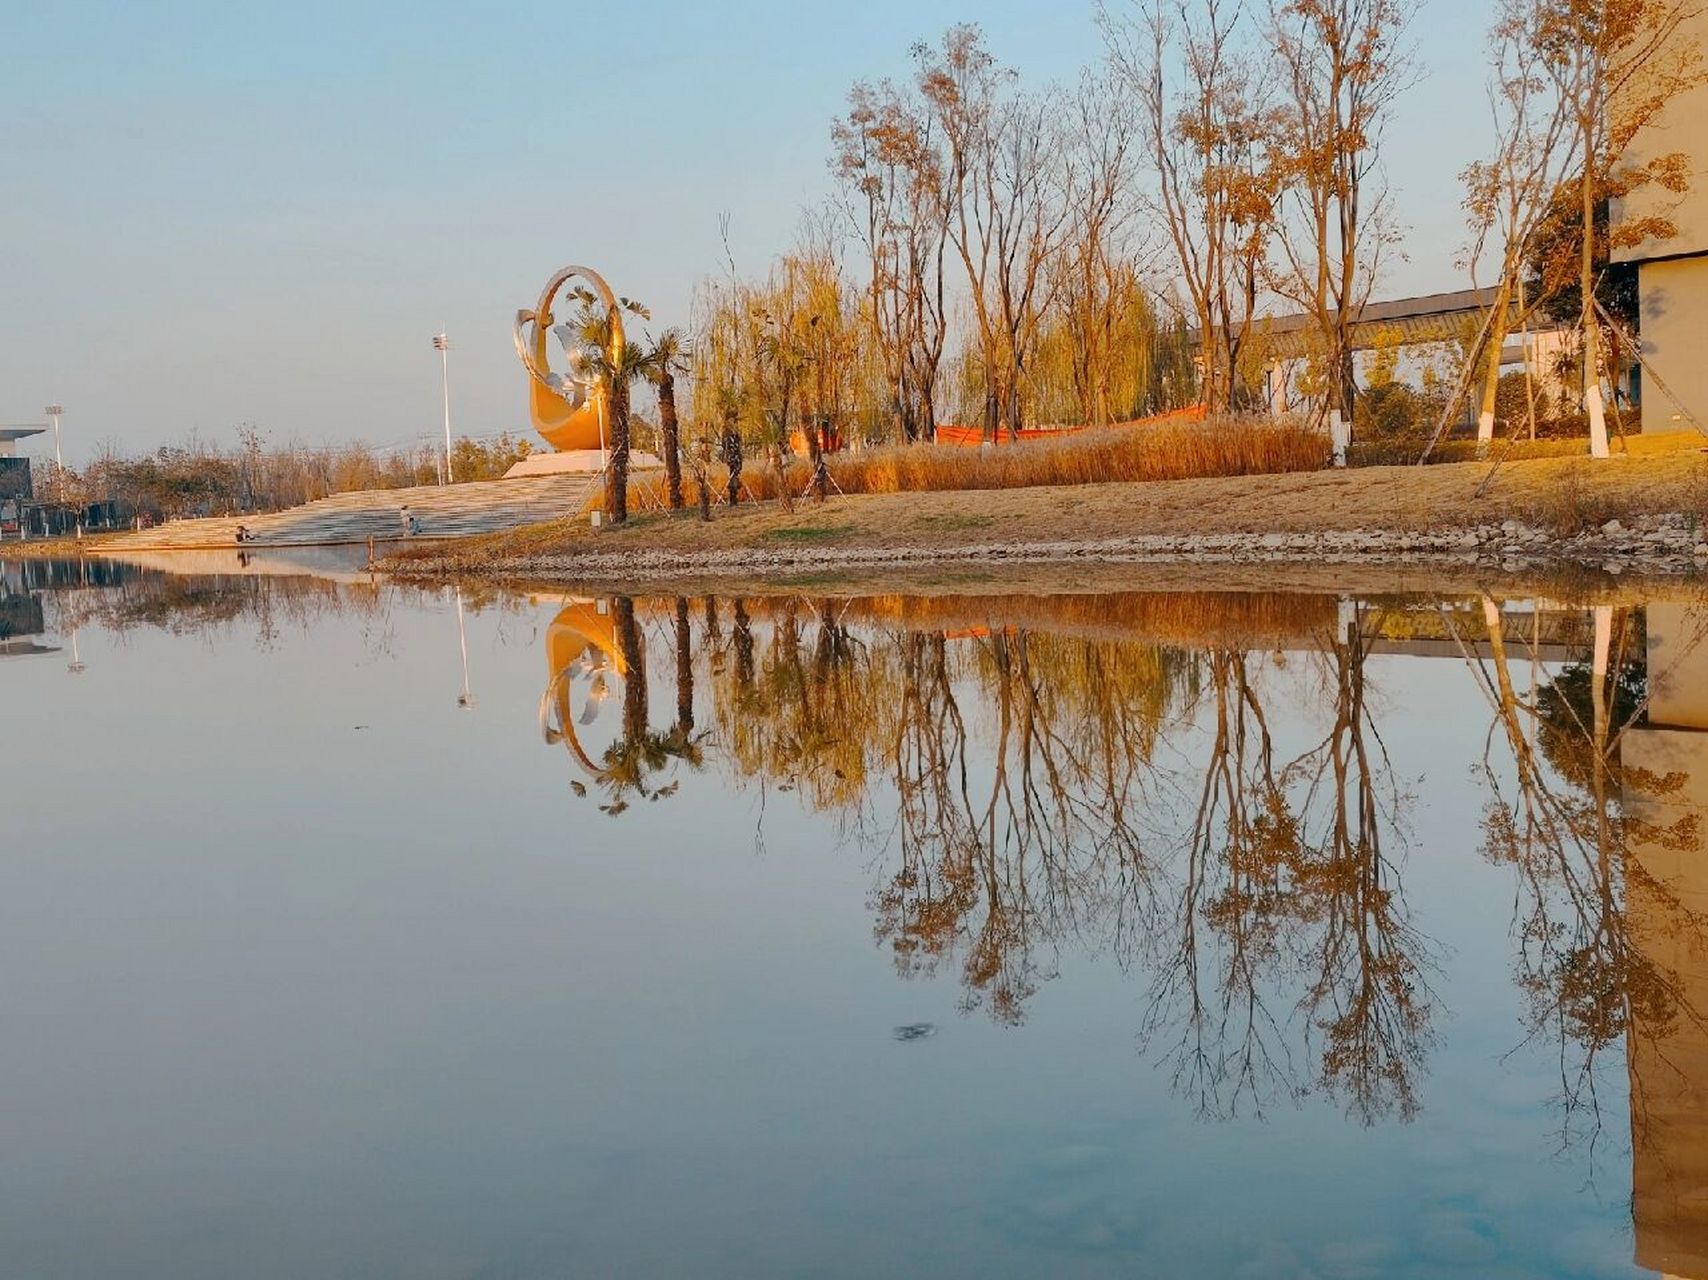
x: 615, y: 365
x: 667, y: 358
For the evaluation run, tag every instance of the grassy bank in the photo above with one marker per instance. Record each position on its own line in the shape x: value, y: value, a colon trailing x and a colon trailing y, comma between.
x: 1562, y: 496
x: 53, y: 548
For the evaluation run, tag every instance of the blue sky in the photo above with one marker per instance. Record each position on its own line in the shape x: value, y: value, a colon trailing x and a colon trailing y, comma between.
x: 220, y: 213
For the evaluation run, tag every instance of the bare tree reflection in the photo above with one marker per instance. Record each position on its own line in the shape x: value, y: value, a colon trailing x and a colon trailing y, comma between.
x: 1046, y: 794
x: 1369, y: 1000
x: 1287, y: 885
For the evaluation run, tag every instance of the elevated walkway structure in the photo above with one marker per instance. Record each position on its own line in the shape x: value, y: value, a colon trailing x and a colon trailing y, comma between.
x: 1432, y: 317
x: 443, y: 511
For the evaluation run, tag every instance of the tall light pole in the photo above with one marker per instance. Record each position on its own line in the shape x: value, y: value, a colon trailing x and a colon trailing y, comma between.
x: 442, y: 345
x: 53, y: 411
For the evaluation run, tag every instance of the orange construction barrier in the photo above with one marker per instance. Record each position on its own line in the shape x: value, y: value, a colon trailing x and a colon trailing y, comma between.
x: 973, y: 437
x: 829, y: 440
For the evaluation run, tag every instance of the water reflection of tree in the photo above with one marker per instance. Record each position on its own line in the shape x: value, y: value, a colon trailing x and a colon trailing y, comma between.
x: 1036, y: 805
x: 209, y: 605
x: 1566, y: 830
x: 1049, y: 848
x: 1287, y: 887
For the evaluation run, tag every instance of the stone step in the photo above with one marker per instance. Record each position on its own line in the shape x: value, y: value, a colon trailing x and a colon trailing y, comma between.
x: 448, y: 511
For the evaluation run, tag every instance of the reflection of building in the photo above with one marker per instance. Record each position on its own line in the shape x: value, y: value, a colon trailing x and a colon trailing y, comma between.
x: 20, y: 617
x: 1666, y: 767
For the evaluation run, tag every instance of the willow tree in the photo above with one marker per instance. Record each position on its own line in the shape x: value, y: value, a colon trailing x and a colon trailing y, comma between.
x: 720, y: 365
x: 827, y: 337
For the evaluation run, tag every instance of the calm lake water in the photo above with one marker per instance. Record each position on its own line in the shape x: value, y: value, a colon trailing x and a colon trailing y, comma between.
x: 354, y: 931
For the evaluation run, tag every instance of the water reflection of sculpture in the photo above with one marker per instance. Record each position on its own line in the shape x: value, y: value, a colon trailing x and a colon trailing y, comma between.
x: 588, y: 646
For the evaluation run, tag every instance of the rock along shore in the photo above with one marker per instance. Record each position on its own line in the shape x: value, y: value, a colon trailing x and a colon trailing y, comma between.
x: 1669, y: 544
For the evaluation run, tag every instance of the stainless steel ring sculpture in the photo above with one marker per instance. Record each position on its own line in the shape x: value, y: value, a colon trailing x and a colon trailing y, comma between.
x: 568, y: 409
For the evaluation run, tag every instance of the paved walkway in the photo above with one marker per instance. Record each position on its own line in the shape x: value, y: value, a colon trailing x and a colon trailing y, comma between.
x: 444, y: 512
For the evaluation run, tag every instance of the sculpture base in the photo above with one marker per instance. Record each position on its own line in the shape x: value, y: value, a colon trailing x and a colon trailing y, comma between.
x: 570, y: 461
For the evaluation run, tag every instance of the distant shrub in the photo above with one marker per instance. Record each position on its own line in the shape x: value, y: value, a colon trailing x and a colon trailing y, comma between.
x: 1395, y: 411
x: 1513, y: 402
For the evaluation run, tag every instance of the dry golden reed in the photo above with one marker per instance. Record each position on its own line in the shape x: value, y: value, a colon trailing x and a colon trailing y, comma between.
x: 1187, y: 451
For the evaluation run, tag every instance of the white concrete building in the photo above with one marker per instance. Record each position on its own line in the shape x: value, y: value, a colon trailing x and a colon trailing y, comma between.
x: 1673, y: 274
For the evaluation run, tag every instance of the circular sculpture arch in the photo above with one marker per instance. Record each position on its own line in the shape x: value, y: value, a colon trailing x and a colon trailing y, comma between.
x: 568, y: 409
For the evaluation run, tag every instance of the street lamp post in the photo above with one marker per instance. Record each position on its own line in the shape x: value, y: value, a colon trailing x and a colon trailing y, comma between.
x: 53, y: 411
x: 442, y: 345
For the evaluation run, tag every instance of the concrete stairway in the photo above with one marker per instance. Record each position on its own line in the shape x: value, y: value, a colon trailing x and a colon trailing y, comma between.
x: 444, y: 512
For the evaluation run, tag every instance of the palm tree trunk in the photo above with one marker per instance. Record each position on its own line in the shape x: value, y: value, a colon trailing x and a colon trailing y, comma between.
x: 634, y: 659
x: 684, y: 669
x: 668, y: 429
x: 617, y: 469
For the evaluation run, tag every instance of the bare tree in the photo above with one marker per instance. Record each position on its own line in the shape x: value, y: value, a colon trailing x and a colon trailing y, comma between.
x: 1003, y: 177
x: 1341, y: 68
x: 1507, y: 196
x: 1097, y: 284
x: 1208, y: 124
x: 887, y: 158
